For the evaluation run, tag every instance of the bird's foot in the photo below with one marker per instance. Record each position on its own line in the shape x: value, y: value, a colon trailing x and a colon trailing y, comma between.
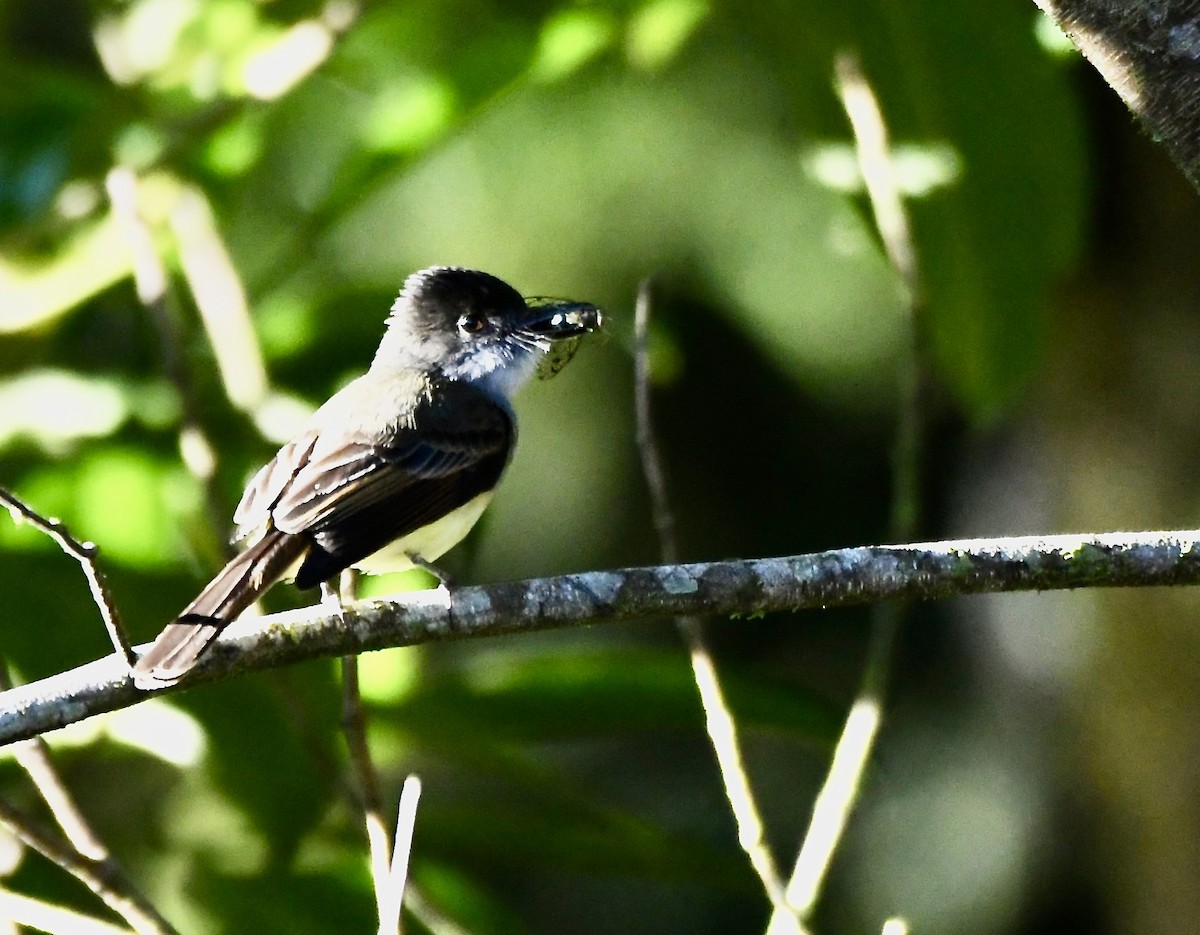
x: 444, y: 579
x: 331, y: 599
x: 445, y: 582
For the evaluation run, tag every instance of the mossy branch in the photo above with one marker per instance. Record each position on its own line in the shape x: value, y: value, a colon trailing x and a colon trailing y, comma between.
x: 737, y: 589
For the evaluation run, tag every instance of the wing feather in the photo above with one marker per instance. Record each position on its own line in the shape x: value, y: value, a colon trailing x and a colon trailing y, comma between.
x: 267, y: 486
x: 354, y: 488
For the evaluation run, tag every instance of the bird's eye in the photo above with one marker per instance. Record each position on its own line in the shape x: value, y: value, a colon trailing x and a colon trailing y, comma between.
x: 472, y: 323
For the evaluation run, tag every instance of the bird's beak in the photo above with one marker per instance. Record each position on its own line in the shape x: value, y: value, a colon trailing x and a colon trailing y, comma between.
x: 559, y: 320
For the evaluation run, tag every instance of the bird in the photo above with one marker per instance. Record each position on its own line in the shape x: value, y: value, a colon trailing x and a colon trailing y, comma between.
x: 397, y: 466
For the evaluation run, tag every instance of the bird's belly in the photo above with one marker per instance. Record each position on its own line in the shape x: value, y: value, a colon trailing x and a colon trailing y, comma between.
x: 429, y: 542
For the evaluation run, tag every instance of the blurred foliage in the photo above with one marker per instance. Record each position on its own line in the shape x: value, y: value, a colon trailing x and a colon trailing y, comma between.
x: 572, y: 149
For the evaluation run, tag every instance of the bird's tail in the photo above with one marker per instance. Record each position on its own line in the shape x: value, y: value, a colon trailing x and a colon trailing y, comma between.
x: 238, y: 585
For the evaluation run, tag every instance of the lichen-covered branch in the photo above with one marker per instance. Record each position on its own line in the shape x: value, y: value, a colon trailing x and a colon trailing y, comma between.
x: 738, y: 589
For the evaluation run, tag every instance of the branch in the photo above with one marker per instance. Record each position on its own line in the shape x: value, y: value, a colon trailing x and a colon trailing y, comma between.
x: 85, y: 554
x: 718, y: 716
x: 354, y: 727
x: 843, y: 783
x: 406, y: 820
x: 221, y: 300
x: 102, y: 877
x: 739, y: 589
x: 41, y: 916
x: 95, y: 866
x: 1148, y: 52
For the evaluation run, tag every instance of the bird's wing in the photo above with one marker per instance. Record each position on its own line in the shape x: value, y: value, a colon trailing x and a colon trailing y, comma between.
x: 273, y: 478
x: 358, y: 494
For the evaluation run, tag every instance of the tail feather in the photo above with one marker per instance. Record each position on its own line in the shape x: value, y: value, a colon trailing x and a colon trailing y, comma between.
x: 236, y: 587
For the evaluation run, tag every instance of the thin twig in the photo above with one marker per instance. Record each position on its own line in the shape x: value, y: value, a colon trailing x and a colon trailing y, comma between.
x: 102, y: 877
x: 739, y: 589
x: 406, y: 819
x: 354, y: 727
x: 430, y: 915
x: 647, y: 442
x: 33, y: 756
x: 875, y: 164
x: 85, y: 554
x: 719, y: 721
x: 40, y: 916
x: 840, y: 791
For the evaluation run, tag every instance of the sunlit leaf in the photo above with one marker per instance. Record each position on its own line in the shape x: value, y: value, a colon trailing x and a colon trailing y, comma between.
x: 409, y: 115
x: 120, y: 502
x: 658, y: 31
x: 38, y: 291
x: 569, y: 39
x: 235, y: 147
x: 56, y: 407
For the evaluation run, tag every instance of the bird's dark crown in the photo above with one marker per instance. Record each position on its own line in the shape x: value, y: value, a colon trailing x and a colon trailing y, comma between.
x: 468, y: 324
x: 439, y: 296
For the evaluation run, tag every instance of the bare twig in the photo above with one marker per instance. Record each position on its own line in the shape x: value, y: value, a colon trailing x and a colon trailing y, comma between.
x: 33, y: 756
x: 149, y: 275
x: 747, y: 588
x: 891, y: 220
x: 42, y: 916
x: 354, y: 727
x: 102, y: 877
x: 406, y: 818
x: 842, y: 785
x: 85, y: 554
x: 389, y: 862
x: 875, y: 163
x: 430, y: 915
x: 719, y: 721
x: 647, y: 442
